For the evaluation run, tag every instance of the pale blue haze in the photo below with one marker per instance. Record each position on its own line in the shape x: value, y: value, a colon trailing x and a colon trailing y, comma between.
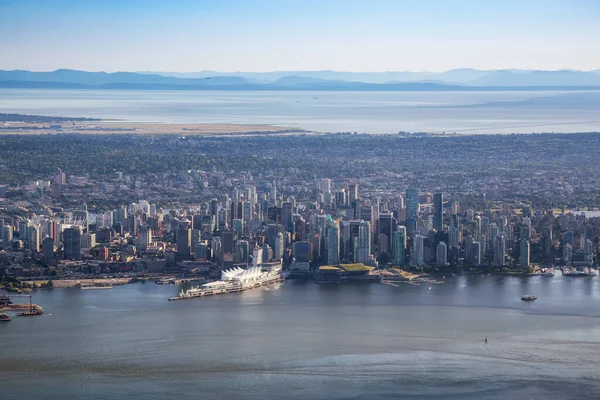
x: 265, y: 35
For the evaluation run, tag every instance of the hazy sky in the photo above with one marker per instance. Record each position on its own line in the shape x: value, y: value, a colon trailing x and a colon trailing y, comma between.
x: 267, y: 35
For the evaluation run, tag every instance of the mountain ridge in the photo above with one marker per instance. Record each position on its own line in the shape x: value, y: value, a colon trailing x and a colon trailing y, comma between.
x: 458, y: 79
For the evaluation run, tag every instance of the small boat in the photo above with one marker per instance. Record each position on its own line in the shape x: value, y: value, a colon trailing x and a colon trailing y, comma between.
x: 528, y: 297
x: 4, y: 317
x: 430, y: 288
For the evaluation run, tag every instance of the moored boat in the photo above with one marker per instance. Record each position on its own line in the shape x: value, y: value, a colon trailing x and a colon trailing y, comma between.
x: 528, y: 297
x: 4, y: 317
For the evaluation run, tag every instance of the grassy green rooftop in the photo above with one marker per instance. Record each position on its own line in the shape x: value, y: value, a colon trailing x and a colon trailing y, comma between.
x: 346, y: 267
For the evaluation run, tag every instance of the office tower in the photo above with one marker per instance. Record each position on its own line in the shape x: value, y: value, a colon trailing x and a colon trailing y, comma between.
x: 588, y: 251
x: 237, y: 225
x: 247, y: 208
x: 352, y: 193
x: 438, y: 211
x: 325, y: 185
x: 7, y: 235
x: 72, y: 243
x: 524, y: 253
x: 201, y: 251
x: 241, y: 251
x: 453, y: 237
x: 333, y: 243
x: 184, y: 241
x: 412, y: 203
x: 257, y: 256
x: 547, y: 242
x: 476, y: 253
x: 441, y: 254
x: 35, y: 236
x: 567, y: 253
x: 88, y: 241
x: 23, y: 230
x: 493, y: 232
x: 525, y: 232
x: 48, y: 249
x: 340, y: 198
x: 362, y: 249
x: 145, y: 236
x: 399, y: 246
x: 499, y: 250
x: 569, y: 237
x: 477, y: 226
x: 279, y: 246
x: 299, y: 227
x: 351, y: 231
x: 385, y: 227
x: 208, y: 223
x: 227, y: 242
x: 418, y: 251
x: 301, y: 251
x: 287, y: 216
x: 267, y: 253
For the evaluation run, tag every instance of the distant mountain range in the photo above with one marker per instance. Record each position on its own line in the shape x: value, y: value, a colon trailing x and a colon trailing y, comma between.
x: 457, y: 79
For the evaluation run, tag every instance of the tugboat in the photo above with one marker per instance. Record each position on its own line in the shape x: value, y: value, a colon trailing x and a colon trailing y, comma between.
x: 4, y: 317
x: 528, y: 297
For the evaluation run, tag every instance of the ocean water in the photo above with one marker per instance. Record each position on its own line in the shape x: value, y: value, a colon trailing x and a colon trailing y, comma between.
x: 299, y: 340
x: 371, y: 112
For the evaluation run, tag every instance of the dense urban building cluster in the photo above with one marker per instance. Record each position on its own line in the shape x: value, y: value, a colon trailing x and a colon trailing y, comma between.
x: 198, y: 206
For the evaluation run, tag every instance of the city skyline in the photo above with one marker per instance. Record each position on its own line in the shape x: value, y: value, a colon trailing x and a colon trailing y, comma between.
x: 229, y: 36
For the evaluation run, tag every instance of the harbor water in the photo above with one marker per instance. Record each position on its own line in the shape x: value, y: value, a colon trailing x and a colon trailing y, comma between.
x: 300, y: 340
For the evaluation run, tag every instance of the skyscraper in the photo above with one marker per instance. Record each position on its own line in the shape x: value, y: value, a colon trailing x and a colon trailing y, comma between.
x: 72, y: 243
x: 362, y: 249
x: 412, y: 203
x: 333, y: 243
x: 352, y: 193
x: 418, y: 250
x: 499, y: 250
x: 524, y: 253
x: 287, y: 213
x: 441, y: 254
x: 48, y: 249
x: 438, y: 211
x: 385, y: 227
x: 399, y: 246
x: 184, y: 241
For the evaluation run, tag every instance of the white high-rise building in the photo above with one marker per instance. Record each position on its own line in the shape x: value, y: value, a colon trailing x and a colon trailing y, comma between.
x: 35, y: 238
x: 363, y: 245
x: 442, y: 254
x: 418, y: 250
x: 279, y: 246
x: 257, y: 256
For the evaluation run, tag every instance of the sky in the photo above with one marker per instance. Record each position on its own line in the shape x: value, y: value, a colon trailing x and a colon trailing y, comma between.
x: 294, y: 35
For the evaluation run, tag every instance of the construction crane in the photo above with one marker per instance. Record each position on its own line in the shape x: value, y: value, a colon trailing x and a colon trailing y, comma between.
x: 31, y: 312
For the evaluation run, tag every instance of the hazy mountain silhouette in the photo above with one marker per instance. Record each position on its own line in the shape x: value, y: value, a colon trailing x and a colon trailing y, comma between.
x: 457, y: 79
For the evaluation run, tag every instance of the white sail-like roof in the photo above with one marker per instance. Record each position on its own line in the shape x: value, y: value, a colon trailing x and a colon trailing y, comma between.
x: 240, y: 274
